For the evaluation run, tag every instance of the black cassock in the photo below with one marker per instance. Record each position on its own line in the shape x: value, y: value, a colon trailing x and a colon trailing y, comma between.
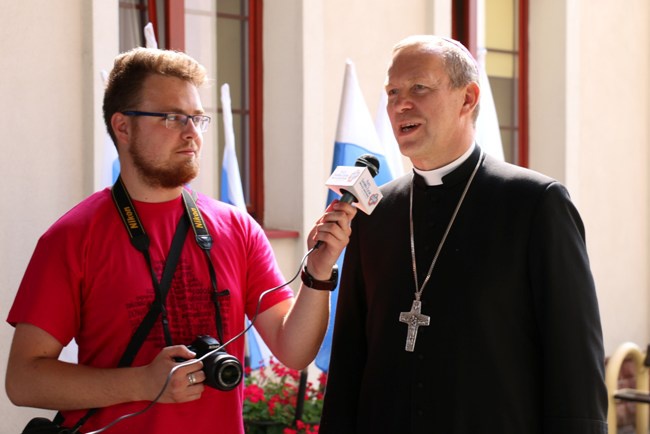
x: 514, y: 344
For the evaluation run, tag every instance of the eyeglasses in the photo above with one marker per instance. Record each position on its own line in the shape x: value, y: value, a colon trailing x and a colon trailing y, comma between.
x: 176, y: 121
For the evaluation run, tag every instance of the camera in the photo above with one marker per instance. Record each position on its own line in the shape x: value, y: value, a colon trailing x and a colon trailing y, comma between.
x: 222, y: 370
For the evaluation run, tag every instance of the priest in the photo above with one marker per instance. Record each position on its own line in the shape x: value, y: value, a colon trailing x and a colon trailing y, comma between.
x: 467, y: 303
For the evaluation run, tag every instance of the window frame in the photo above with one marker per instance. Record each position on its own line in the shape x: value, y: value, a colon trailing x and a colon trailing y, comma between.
x: 464, y: 29
x: 256, y: 104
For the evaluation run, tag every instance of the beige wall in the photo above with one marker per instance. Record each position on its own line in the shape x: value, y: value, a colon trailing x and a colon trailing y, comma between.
x: 46, y: 160
x: 613, y: 155
x: 589, y: 129
x: 284, y: 127
x: 365, y: 33
x: 589, y: 113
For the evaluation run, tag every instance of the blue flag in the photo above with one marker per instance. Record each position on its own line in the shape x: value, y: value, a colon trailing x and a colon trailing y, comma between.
x: 355, y: 136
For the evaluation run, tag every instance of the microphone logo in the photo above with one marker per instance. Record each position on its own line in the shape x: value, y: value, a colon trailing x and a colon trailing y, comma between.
x: 356, y: 184
x: 354, y: 174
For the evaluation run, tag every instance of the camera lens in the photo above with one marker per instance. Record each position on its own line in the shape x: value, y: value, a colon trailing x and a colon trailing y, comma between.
x: 223, y: 371
x: 229, y: 375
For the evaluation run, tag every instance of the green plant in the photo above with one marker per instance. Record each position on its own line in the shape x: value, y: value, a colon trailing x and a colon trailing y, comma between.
x: 271, y: 397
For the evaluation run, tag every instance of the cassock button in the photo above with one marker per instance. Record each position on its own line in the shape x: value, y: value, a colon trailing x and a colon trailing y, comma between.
x: 420, y: 385
x: 420, y: 356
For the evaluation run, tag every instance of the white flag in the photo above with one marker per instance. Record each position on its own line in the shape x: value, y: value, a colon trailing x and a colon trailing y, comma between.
x: 387, y: 138
x: 150, y: 36
x: 488, y: 135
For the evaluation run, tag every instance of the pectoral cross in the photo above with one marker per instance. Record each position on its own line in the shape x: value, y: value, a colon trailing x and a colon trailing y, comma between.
x: 414, y: 319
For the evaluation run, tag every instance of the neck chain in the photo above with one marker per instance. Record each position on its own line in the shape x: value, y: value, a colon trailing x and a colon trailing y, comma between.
x: 415, y: 318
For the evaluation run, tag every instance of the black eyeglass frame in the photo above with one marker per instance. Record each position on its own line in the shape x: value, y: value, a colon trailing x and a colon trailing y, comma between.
x: 202, y: 124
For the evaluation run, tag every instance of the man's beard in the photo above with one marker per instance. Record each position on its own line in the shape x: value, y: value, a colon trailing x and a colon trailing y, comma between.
x: 165, y: 175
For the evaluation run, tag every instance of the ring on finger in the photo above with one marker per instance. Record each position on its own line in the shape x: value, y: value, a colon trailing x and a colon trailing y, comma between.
x: 191, y: 379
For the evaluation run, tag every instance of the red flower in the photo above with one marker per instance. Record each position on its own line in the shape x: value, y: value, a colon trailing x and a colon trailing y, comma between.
x: 254, y: 393
x: 271, y: 394
x: 274, y: 399
x: 304, y: 428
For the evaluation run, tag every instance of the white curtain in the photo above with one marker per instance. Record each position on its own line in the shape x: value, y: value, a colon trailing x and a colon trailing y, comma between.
x: 131, y: 24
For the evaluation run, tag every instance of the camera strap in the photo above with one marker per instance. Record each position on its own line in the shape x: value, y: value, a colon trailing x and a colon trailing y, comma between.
x: 204, y: 240
x: 140, y: 241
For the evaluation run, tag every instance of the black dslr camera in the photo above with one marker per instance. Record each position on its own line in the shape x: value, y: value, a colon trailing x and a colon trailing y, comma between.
x: 222, y: 371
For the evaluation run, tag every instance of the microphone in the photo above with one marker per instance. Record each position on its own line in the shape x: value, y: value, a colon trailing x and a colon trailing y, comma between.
x: 366, y: 160
x: 356, y: 184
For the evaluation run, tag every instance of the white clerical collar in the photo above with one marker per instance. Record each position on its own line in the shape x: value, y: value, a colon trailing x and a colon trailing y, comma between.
x: 434, y: 177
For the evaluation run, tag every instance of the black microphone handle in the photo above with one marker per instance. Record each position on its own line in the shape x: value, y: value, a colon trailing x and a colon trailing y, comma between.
x: 347, y: 197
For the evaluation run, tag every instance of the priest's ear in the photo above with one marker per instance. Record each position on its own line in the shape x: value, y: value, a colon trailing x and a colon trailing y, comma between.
x: 472, y: 96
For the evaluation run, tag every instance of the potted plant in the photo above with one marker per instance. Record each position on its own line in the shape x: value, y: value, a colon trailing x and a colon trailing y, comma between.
x: 279, y: 400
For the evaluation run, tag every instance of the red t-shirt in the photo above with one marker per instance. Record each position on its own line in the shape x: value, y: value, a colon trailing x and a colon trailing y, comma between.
x: 86, y: 281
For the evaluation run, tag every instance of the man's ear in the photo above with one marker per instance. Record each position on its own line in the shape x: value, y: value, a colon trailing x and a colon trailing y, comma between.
x: 121, y: 125
x: 472, y: 94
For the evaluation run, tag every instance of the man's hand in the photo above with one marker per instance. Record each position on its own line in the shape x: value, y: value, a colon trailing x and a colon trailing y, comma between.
x: 333, y: 230
x: 186, y: 383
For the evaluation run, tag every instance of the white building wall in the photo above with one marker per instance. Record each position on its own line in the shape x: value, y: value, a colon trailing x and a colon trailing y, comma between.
x: 285, y: 127
x: 46, y: 160
x: 613, y: 155
x: 589, y: 129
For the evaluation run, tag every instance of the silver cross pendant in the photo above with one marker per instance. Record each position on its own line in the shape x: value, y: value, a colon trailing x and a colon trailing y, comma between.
x: 414, y: 319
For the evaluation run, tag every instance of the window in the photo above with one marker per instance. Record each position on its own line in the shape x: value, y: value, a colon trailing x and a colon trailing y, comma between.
x: 134, y: 14
x: 505, y: 23
x: 239, y: 63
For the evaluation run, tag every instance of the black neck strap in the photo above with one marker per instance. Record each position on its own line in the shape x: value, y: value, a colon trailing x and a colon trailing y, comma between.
x: 204, y: 240
x: 140, y: 240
